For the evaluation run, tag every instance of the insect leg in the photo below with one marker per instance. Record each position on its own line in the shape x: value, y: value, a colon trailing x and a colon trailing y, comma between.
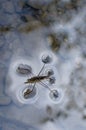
x: 41, y: 70
x: 45, y: 85
x: 33, y: 86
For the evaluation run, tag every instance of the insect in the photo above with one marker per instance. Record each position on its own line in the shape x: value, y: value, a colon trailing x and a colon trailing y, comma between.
x: 36, y: 79
x: 40, y: 78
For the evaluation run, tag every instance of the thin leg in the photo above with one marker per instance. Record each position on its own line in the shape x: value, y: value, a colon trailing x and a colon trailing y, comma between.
x: 41, y: 70
x: 33, y: 86
x: 44, y: 85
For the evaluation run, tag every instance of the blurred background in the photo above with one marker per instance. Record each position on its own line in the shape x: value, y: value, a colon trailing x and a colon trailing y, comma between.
x: 28, y: 30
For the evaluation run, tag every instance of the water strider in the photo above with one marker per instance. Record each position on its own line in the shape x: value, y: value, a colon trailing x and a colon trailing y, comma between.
x: 37, y: 79
x: 40, y: 78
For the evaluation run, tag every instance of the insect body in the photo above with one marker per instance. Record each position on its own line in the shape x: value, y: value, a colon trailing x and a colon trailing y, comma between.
x: 36, y: 79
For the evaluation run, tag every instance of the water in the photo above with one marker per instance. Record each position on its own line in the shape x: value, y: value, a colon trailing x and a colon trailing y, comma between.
x: 30, y: 30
